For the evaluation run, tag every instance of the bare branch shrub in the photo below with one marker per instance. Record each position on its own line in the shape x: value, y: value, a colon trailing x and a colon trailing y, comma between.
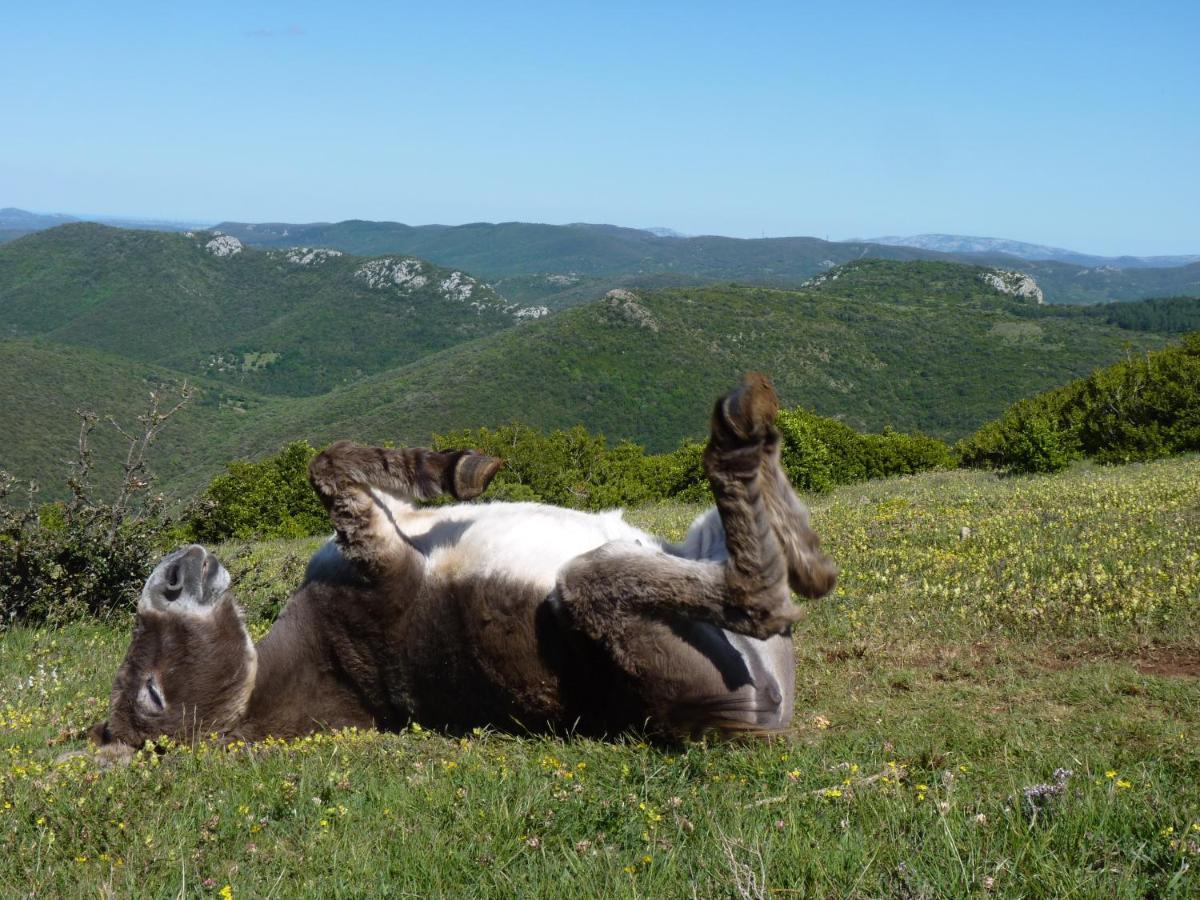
x: 84, y: 556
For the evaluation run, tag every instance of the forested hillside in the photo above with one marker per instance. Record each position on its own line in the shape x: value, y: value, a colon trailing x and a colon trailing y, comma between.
x: 942, y: 359
x: 608, y: 256
x: 285, y: 345
x: 286, y: 322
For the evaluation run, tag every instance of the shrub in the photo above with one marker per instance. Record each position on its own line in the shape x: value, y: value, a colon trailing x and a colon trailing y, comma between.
x: 819, y: 452
x: 1144, y: 407
x: 570, y: 467
x: 805, y: 456
x: 262, y: 500
x: 1038, y: 446
x: 86, y: 555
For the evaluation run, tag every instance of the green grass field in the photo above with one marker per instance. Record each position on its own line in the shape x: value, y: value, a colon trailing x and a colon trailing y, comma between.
x: 986, y: 633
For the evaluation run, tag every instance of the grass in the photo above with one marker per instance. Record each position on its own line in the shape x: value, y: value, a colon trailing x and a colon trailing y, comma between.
x: 986, y: 633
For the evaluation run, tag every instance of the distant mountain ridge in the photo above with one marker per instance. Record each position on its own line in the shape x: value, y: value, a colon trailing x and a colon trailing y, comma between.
x: 561, y: 265
x: 519, y: 257
x: 967, y: 244
x: 311, y: 343
x: 15, y: 223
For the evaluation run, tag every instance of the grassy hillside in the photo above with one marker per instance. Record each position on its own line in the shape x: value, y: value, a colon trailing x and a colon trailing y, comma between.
x: 925, y: 346
x: 44, y: 384
x: 275, y: 322
x: 937, y: 693
x: 627, y: 256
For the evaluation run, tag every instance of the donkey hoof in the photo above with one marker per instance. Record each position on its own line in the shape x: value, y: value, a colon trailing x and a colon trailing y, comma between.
x: 473, y: 472
x: 747, y: 414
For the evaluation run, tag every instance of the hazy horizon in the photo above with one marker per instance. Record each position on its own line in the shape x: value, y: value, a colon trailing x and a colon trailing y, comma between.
x: 1071, y: 126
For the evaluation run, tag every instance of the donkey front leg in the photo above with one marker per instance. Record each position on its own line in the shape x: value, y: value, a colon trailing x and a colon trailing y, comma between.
x: 347, y: 475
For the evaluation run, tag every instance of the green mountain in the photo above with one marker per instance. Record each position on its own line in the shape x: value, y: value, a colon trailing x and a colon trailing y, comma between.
x: 284, y: 322
x: 919, y: 345
x: 44, y: 384
x: 929, y: 346
x: 606, y: 256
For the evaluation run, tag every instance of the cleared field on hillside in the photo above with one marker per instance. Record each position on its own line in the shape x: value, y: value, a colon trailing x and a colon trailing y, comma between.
x: 986, y: 633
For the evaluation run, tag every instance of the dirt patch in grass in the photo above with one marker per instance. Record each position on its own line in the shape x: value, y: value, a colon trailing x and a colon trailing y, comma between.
x: 1173, y: 662
x: 1169, y: 661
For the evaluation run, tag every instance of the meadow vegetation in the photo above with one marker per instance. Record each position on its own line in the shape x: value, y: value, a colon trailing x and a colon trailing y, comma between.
x: 1000, y: 698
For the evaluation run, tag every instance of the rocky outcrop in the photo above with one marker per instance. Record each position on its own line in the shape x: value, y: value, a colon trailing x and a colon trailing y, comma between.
x: 306, y: 256
x: 457, y: 287
x: 224, y: 245
x: 625, y: 304
x: 406, y: 273
x: 1016, y: 284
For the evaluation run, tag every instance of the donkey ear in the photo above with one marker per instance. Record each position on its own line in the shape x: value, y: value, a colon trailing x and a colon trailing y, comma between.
x: 99, y: 734
x: 471, y: 473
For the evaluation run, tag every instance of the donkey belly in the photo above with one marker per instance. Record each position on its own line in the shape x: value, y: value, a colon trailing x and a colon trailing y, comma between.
x: 526, y: 543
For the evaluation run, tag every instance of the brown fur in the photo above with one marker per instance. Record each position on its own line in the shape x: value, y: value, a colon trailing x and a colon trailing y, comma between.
x: 629, y: 637
x: 202, y: 666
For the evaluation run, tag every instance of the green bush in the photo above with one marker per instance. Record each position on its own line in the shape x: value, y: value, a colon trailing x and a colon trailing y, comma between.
x: 572, y: 467
x: 819, y: 452
x: 1142, y: 408
x: 805, y: 455
x: 1039, y: 446
x: 84, y: 560
x: 261, y: 500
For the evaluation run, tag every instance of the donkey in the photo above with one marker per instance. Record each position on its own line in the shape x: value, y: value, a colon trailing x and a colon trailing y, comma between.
x: 510, y: 615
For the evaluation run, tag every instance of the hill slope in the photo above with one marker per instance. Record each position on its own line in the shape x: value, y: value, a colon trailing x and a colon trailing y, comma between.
x: 44, y: 384
x: 614, y: 257
x: 913, y: 345
x: 919, y: 345
x: 292, y: 322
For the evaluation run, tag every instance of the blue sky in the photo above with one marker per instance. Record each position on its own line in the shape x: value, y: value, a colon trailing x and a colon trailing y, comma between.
x: 1075, y: 124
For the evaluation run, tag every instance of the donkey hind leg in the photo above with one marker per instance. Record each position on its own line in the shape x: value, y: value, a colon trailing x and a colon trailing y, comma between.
x: 746, y: 592
x: 811, y: 573
x: 347, y: 477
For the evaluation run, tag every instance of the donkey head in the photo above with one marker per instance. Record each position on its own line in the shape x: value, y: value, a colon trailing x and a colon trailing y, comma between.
x: 190, y: 668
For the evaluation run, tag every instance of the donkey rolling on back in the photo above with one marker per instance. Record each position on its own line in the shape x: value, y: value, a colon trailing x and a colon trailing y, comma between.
x: 515, y: 615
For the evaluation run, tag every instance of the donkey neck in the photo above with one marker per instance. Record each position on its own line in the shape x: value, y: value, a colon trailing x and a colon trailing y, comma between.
x: 299, y: 685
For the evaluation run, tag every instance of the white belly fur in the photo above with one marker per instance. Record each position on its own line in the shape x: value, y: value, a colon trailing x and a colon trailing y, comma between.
x: 528, y: 542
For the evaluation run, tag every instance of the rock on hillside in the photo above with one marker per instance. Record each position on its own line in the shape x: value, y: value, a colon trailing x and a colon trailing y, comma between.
x: 1018, y: 284
x: 224, y: 245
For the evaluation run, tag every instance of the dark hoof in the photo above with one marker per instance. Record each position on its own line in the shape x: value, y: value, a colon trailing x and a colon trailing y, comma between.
x: 472, y: 474
x: 814, y: 578
x: 748, y: 414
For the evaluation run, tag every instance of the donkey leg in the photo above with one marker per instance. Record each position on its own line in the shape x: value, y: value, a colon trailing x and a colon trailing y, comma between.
x: 811, y: 573
x: 747, y: 592
x: 346, y: 475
